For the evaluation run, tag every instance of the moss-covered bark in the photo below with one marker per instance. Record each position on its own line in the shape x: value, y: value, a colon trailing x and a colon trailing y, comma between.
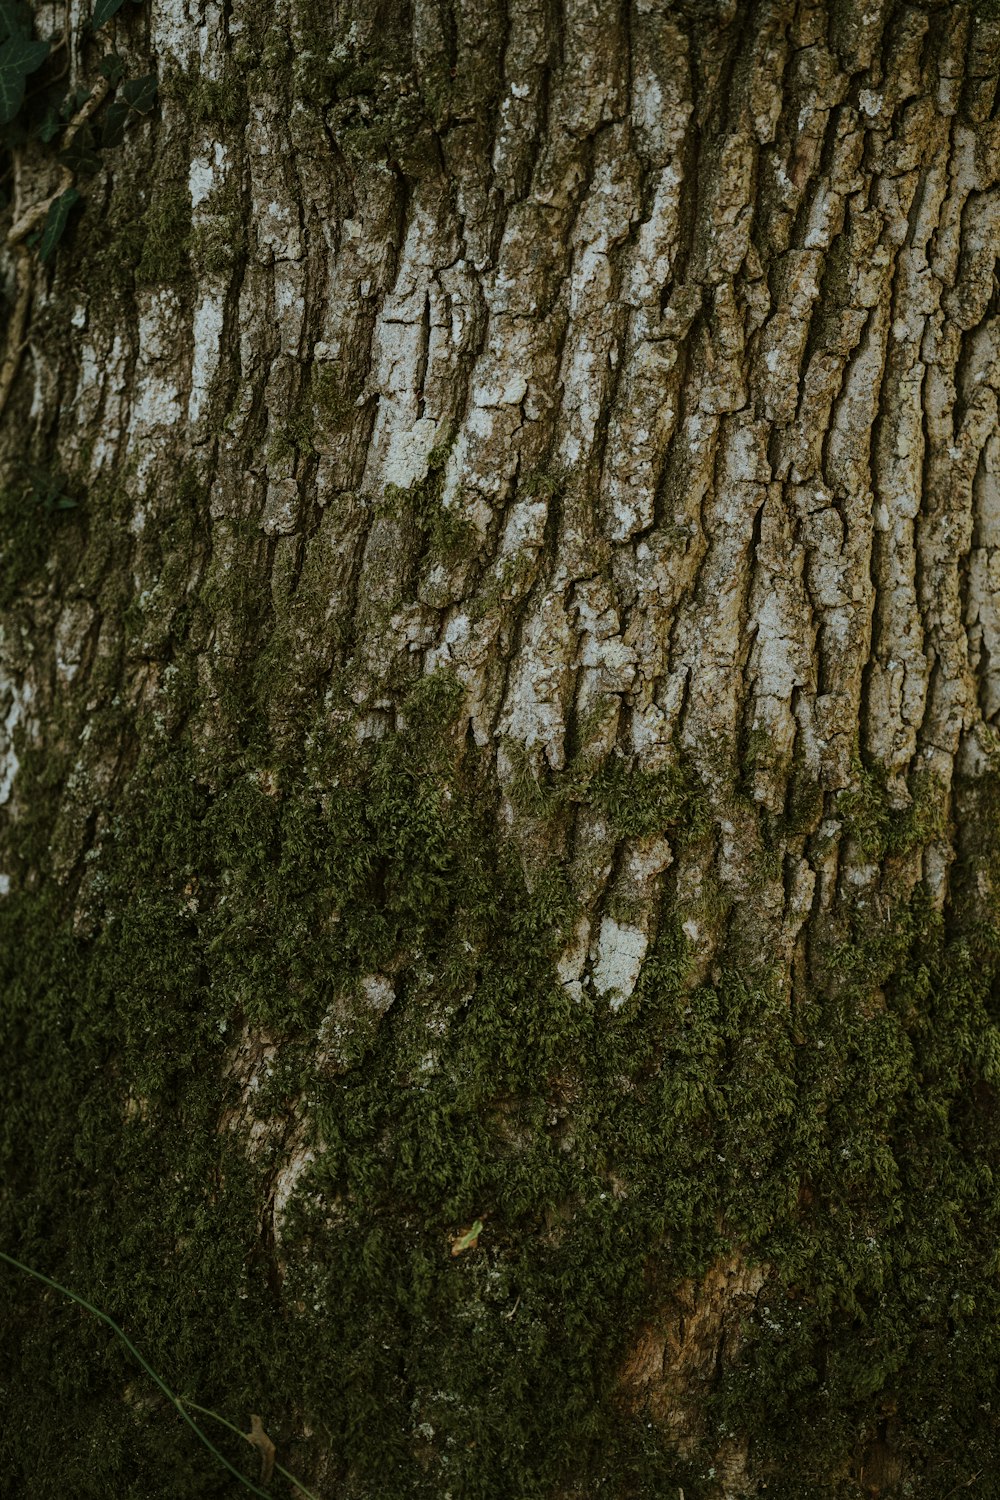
x: 500, y: 725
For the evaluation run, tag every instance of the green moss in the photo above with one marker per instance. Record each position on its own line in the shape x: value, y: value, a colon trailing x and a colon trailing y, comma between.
x: 759, y: 755
x: 925, y: 820
x: 34, y: 510
x: 882, y: 830
x: 370, y: 100
x: 294, y: 436
x: 220, y: 101
x: 636, y: 802
x: 320, y: 407
x: 163, y: 612
x: 218, y: 244
x: 804, y: 804
x: 483, y: 1091
x: 542, y: 482
x: 126, y: 239
x: 445, y: 533
x: 148, y: 223
x: 642, y: 802
x: 332, y: 402
x: 510, y: 580
x: 894, y: 1231
x: 166, y: 226
x: 244, y: 887
x: 276, y: 50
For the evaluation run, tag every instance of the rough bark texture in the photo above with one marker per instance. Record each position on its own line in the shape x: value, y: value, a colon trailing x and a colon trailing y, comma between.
x: 510, y: 732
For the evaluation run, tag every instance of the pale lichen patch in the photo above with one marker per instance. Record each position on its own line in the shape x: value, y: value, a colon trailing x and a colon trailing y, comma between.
x: 620, y: 952
x: 18, y: 697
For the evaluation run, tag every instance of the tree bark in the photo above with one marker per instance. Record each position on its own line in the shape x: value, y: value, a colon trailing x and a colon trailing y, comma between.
x: 499, y: 753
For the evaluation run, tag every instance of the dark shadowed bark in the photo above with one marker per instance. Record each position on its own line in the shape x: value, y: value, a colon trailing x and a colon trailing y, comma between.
x: 499, y: 750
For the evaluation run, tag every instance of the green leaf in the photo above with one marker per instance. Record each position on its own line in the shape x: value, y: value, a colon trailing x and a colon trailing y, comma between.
x: 15, y: 16
x: 112, y: 67
x: 50, y: 126
x: 81, y: 158
x: 72, y: 102
x: 24, y: 54
x: 140, y: 93
x: 115, y: 119
x: 81, y: 155
x: 103, y: 11
x: 11, y: 94
x: 55, y: 222
x: 19, y: 56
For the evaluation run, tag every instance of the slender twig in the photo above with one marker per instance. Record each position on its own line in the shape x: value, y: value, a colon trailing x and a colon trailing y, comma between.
x: 179, y: 1402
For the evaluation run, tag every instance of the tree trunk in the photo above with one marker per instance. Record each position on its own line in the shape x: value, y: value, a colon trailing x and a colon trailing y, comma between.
x: 499, y: 751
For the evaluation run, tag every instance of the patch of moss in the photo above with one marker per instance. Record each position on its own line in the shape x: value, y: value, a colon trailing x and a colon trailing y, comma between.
x: 445, y: 533
x: 247, y: 886
x: 163, y: 612
x: 294, y: 436
x: 370, y: 100
x: 221, y: 101
x: 166, y: 226
x: 217, y: 244
x: 542, y: 482
x: 34, y: 508
x: 126, y: 238
x: 321, y: 405
x: 881, y: 830
x: 331, y: 402
x: 877, y: 1321
x: 640, y: 802
x: 636, y: 802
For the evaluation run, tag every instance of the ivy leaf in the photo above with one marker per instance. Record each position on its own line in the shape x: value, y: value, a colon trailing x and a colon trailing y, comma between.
x: 11, y: 95
x: 140, y: 93
x: 15, y: 16
x: 74, y: 101
x: 81, y: 155
x: 55, y: 222
x: 103, y: 11
x: 47, y: 488
x: 50, y: 126
x: 112, y: 67
x: 115, y: 119
x: 19, y: 56
x: 24, y: 54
